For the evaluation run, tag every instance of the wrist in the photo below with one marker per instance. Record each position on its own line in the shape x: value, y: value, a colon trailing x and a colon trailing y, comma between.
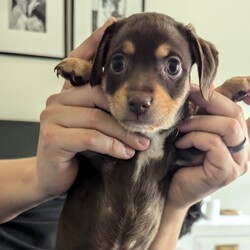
x: 61, y: 177
x: 170, y: 227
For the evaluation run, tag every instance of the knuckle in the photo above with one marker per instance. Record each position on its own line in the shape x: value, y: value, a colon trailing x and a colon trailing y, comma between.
x: 234, y: 127
x: 239, y: 112
x: 215, y: 141
x: 95, y: 115
x: 48, y: 136
x: 46, y: 114
x: 51, y: 99
x: 113, y: 145
x: 90, y: 140
x: 125, y: 135
x: 245, y: 169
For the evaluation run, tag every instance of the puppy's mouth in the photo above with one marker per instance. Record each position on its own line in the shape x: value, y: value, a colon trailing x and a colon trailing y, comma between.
x: 148, y: 123
x: 138, y: 125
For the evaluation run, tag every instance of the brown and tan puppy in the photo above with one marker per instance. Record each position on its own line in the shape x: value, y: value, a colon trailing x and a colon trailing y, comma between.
x: 143, y: 63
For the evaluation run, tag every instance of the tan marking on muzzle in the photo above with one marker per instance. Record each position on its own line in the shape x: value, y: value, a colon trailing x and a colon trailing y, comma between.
x: 118, y: 101
x: 166, y: 108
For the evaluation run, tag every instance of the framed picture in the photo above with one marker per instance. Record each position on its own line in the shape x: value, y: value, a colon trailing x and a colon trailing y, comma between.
x: 33, y: 27
x: 88, y: 15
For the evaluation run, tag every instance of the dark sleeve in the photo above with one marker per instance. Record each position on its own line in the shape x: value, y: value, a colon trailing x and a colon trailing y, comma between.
x: 34, y: 229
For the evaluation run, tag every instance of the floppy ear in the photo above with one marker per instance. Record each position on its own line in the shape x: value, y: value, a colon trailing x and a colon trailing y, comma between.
x: 205, y: 55
x: 101, y: 53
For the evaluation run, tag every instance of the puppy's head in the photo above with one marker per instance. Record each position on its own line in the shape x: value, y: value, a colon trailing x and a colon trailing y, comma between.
x: 144, y: 64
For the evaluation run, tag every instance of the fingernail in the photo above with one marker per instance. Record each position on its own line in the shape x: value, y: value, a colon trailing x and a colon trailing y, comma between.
x: 109, y: 21
x: 129, y: 151
x: 143, y: 141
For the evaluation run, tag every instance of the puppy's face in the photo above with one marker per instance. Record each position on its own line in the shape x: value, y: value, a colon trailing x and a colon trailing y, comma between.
x: 146, y: 72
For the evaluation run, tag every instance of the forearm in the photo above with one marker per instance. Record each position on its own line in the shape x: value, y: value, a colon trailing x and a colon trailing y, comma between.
x: 20, y: 189
x: 170, y: 227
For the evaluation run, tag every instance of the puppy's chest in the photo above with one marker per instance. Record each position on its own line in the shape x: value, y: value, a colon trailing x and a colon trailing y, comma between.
x: 143, y: 169
x: 133, y: 195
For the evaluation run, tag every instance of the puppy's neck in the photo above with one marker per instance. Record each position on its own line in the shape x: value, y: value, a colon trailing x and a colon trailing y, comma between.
x: 155, y: 152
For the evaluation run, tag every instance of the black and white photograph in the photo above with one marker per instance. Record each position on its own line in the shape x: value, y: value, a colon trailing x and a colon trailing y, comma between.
x: 103, y: 9
x: 96, y: 12
x: 33, y: 27
x: 28, y: 15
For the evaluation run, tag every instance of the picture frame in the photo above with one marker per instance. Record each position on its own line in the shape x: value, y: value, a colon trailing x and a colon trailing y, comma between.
x: 34, y: 28
x: 88, y: 15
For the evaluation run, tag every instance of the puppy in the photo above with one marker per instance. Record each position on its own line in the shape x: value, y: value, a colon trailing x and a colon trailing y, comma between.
x: 143, y: 63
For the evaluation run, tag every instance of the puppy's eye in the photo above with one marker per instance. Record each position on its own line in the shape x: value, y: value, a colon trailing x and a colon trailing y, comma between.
x: 173, y: 66
x: 118, y: 63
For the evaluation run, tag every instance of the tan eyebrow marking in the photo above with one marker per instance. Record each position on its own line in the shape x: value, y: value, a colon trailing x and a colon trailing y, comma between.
x: 162, y: 50
x: 128, y: 47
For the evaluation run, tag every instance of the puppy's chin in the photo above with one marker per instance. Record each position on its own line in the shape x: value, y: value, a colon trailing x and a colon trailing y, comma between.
x: 144, y: 128
x: 138, y: 128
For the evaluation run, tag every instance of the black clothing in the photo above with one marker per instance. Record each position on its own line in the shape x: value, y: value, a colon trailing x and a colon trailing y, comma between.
x: 34, y: 229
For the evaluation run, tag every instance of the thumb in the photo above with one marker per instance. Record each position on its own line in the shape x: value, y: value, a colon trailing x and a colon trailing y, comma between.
x: 87, y: 48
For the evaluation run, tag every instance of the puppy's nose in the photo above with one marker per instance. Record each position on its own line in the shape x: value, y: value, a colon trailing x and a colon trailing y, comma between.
x: 139, y: 105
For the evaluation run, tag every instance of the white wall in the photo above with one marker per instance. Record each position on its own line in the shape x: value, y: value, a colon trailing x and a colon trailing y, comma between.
x: 25, y: 83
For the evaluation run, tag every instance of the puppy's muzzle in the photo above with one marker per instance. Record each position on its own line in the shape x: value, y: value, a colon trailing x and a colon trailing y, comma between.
x: 139, y: 105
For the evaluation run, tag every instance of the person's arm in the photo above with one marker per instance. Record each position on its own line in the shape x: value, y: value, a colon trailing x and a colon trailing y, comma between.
x: 170, y: 227
x: 19, y: 187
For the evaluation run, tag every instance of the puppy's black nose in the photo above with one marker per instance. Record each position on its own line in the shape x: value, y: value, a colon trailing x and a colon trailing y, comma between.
x: 139, y: 105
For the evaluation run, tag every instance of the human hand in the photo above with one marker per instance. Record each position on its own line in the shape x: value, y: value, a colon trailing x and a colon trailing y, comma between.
x: 247, y: 101
x: 224, y: 127
x: 75, y: 121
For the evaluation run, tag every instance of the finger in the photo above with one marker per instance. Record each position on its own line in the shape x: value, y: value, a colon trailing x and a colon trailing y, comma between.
x: 68, y: 142
x: 217, y: 170
x: 248, y: 127
x: 228, y: 128
x: 83, y: 96
x: 95, y: 141
x: 97, y: 120
x: 247, y: 100
x: 217, y: 153
x: 87, y: 49
x: 219, y: 105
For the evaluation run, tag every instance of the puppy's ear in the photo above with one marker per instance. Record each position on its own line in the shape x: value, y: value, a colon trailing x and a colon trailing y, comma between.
x: 205, y: 55
x: 101, y: 53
